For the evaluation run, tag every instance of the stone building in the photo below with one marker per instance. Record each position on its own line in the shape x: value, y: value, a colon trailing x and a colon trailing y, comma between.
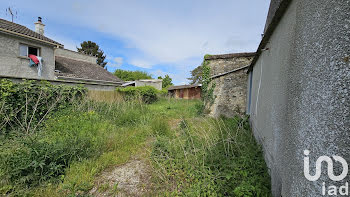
x: 298, y: 94
x: 229, y: 74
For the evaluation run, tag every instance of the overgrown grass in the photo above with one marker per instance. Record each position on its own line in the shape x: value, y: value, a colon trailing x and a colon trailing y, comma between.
x: 211, y: 157
x: 192, y: 155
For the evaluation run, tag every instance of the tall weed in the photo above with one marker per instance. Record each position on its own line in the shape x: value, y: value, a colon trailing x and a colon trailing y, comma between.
x: 213, y: 158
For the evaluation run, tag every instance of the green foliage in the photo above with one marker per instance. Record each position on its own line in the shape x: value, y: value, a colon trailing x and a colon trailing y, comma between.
x: 24, y: 105
x: 167, y: 81
x: 147, y: 94
x: 127, y: 75
x: 196, y: 75
x: 207, y: 87
x: 211, y: 158
x: 160, y: 126
x: 91, y: 48
x: 68, y: 139
x: 69, y: 136
x: 192, y: 156
x: 200, y: 108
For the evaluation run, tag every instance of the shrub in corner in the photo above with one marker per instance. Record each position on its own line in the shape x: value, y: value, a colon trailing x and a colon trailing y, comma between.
x: 148, y: 94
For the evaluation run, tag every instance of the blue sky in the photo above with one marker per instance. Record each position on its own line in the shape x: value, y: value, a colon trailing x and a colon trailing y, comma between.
x: 157, y: 36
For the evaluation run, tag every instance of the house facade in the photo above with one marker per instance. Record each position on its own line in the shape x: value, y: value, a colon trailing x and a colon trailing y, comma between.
x: 59, y: 65
x: 16, y: 43
x: 298, y: 94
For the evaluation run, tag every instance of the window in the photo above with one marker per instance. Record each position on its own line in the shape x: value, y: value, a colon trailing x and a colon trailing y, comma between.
x: 25, y: 50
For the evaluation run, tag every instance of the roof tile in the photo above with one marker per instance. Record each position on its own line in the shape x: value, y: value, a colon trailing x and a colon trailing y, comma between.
x: 14, y: 27
x: 85, y: 70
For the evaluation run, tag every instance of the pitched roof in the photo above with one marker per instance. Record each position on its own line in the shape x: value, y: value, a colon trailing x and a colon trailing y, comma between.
x: 14, y: 28
x: 184, y: 86
x: 228, y: 56
x: 276, y: 12
x: 127, y: 83
x: 83, y: 70
x: 274, y: 5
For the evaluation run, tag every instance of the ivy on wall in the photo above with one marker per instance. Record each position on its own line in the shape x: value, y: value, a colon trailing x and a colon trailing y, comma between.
x: 208, y: 96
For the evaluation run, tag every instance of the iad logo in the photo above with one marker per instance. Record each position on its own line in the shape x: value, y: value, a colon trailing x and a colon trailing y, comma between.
x: 332, y: 190
x: 329, y: 166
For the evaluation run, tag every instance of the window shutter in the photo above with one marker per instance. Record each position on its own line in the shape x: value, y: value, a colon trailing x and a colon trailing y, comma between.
x: 23, y: 50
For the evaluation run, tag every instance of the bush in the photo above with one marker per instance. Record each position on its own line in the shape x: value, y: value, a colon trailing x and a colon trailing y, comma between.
x: 147, y: 94
x: 25, y: 105
x: 69, y: 136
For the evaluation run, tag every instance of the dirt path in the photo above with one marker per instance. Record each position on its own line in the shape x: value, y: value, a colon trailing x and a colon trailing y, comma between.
x: 129, y: 179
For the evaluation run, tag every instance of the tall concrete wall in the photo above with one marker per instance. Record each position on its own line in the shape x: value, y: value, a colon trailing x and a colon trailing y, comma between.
x: 11, y: 64
x: 75, y: 55
x: 300, y: 95
x: 230, y: 89
x: 149, y: 82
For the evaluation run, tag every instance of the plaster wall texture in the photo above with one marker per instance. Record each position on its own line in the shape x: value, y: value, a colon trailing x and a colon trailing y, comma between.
x: 231, y: 89
x: 11, y: 64
x: 300, y: 95
x: 75, y: 55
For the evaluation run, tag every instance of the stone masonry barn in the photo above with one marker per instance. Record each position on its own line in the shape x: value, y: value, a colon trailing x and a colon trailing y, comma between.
x: 229, y: 73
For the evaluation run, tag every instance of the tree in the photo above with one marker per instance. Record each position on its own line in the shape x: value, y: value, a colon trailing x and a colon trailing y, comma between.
x: 91, y: 48
x: 196, y: 75
x: 127, y: 75
x: 167, y: 81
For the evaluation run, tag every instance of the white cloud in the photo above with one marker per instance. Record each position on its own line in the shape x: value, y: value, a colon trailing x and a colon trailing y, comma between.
x: 67, y: 42
x: 114, y: 62
x: 170, y: 31
x: 176, y: 34
x: 141, y: 63
x: 118, y: 61
x: 157, y: 73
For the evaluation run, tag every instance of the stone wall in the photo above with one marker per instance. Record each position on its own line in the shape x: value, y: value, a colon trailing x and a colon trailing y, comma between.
x: 75, y: 55
x: 230, y: 77
x: 12, y: 64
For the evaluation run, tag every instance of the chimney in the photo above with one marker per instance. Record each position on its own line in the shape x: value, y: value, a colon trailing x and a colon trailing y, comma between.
x: 39, y: 26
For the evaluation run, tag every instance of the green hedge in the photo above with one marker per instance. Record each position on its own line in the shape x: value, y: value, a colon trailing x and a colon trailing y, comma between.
x: 147, y: 94
x: 24, y: 105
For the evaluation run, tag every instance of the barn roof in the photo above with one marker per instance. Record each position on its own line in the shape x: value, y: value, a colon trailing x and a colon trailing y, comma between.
x: 184, y: 86
x: 228, y: 56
